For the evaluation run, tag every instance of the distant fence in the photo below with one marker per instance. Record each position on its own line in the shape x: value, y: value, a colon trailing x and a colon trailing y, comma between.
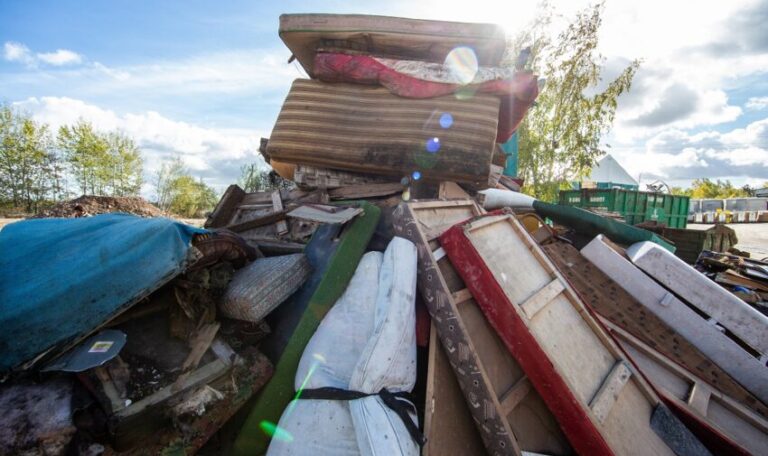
x: 731, y: 210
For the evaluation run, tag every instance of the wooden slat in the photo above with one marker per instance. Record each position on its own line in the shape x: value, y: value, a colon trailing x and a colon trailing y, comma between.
x: 448, y: 424
x: 484, y: 369
x: 541, y: 298
x: 320, y: 215
x: 743, y: 367
x: 609, y: 391
x: 365, y: 191
x: 727, y: 425
x: 515, y: 395
x: 462, y: 296
x: 738, y: 317
x: 565, y: 352
x: 613, y: 303
x: 277, y: 206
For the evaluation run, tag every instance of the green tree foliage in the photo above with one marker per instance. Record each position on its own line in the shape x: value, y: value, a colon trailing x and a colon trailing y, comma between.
x: 179, y: 193
x: 708, y: 189
x: 101, y: 163
x: 255, y: 179
x: 560, y: 136
x: 30, y: 171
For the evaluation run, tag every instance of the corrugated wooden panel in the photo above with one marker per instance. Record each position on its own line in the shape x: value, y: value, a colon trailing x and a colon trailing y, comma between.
x: 367, y: 129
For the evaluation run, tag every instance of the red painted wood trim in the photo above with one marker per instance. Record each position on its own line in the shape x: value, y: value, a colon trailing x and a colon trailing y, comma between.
x: 567, y: 410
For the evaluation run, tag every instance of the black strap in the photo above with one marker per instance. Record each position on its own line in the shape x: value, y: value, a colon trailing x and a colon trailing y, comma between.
x: 399, y: 402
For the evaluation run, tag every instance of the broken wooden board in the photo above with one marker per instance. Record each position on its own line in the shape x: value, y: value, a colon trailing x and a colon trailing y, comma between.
x: 582, y: 375
x: 225, y: 209
x: 448, y: 425
x: 612, y: 302
x: 452, y: 190
x: 510, y: 416
x: 738, y: 363
x: 367, y: 129
x: 366, y: 191
x: 277, y: 207
x: 158, y: 435
x: 313, y: 177
x: 325, y: 214
x: 737, y: 430
x: 738, y: 317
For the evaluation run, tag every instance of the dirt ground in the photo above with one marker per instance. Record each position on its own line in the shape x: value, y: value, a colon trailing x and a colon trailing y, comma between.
x: 753, y: 237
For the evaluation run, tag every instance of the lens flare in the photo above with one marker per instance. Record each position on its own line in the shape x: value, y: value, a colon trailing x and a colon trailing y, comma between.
x: 433, y: 145
x: 416, y: 175
x: 446, y: 120
x: 275, y: 431
x: 462, y: 64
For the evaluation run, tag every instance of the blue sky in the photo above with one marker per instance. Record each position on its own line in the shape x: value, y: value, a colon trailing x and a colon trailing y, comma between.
x: 205, y: 79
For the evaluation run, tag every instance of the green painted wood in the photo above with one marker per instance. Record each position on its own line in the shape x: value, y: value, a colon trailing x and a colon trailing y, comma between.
x: 253, y: 440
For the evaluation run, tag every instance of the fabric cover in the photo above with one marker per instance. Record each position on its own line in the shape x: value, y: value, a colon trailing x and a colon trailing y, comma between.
x: 264, y: 284
x: 517, y: 91
x: 61, y: 278
x: 397, y: 37
x: 366, y: 342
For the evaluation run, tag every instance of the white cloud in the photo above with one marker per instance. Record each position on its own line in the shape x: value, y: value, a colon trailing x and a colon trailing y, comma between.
x: 212, y: 153
x: 17, y: 52
x: 757, y: 103
x: 60, y: 57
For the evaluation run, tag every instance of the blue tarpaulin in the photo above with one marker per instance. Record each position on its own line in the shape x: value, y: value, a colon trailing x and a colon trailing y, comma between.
x: 62, y: 278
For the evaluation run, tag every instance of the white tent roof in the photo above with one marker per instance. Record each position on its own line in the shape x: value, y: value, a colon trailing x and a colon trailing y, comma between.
x: 607, y: 169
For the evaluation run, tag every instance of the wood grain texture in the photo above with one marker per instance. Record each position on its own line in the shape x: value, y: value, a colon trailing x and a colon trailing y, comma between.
x: 448, y: 424
x: 367, y: 129
x: 732, y: 358
x: 736, y: 429
x: 612, y: 302
x: 483, y: 367
x: 565, y: 353
x: 735, y: 315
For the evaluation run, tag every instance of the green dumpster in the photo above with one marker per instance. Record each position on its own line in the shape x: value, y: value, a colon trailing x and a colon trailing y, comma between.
x: 635, y: 206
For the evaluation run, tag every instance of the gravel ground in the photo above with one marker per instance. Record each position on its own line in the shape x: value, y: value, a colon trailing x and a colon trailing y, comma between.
x: 753, y: 237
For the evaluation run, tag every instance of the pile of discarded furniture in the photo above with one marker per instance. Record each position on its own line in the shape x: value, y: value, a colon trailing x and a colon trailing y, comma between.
x: 401, y: 298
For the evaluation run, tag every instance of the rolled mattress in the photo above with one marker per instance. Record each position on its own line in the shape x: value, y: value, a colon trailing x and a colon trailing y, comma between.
x: 367, y: 129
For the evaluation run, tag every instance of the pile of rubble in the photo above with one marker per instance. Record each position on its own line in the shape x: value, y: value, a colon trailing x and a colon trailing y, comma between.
x: 403, y: 299
x: 88, y: 205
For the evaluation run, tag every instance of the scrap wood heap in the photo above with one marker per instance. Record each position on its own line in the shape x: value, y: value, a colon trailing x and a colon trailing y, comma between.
x: 292, y: 323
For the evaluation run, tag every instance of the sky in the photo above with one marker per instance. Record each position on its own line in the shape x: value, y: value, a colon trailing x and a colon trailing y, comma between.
x: 205, y: 79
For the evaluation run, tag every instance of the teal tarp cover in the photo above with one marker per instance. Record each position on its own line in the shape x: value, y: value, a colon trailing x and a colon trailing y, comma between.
x: 62, y: 278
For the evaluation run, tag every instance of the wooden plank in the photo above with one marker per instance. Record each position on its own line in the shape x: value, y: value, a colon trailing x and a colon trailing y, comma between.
x: 738, y: 317
x: 200, y: 343
x: 699, y: 397
x: 325, y: 214
x: 225, y: 209
x: 461, y: 296
x: 277, y: 205
x: 448, y: 424
x: 452, y: 190
x: 612, y: 302
x: 565, y: 353
x: 264, y: 220
x: 483, y: 367
x: 365, y: 191
x: 734, y: 428
x: 609, y: 391
x: 742, y: 366
x: 541, y: 298
x: 515, y: 395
